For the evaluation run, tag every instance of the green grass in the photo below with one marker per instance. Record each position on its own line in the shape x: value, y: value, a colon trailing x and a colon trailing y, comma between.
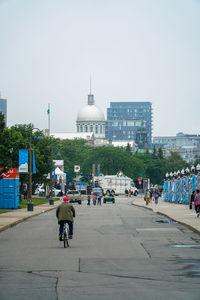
x: 36, y: 201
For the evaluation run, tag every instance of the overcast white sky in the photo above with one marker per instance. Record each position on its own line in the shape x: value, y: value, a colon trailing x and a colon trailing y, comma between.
x: 135, y: 50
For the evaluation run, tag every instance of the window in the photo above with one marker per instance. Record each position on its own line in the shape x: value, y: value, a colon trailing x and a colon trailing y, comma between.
x: 85, y: 128
x: 91, y: 128
x: 96, y: 128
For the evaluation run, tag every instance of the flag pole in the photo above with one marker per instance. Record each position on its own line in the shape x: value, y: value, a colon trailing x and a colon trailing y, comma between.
x: 48, y: 119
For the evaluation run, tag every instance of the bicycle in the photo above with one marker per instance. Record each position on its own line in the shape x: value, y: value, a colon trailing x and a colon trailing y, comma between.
x: 66, y: 235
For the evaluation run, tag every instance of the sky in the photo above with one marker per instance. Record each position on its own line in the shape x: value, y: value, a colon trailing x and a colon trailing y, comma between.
x: 133, y: 50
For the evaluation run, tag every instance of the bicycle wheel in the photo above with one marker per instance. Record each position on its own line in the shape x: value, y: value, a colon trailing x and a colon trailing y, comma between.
x: 65, y: 240
x: 67, y: 234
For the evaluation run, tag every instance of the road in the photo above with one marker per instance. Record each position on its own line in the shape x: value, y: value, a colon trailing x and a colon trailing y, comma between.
x: 119, y: 251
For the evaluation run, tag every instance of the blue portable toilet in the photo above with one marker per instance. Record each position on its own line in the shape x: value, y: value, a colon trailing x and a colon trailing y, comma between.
x: 9, y: 189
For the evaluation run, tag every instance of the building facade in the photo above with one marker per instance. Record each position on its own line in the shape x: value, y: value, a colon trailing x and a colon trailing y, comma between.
x: 130, y: 121
x: 91, y: 119
x: 187, y: 145
x: 3, y: 108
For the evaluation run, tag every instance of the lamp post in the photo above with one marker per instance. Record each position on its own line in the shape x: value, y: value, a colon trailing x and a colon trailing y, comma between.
x: 11, y: 151
x: 30, y: 205
x: 51, y: 201
x: 198, y: 177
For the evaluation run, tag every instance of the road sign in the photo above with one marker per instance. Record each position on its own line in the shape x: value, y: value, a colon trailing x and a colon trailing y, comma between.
x: 76, y: 168
x: 140, y: 180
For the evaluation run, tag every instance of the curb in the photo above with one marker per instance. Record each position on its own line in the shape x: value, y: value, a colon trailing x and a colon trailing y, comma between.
x: 165, y: 215
x: 25, y: 218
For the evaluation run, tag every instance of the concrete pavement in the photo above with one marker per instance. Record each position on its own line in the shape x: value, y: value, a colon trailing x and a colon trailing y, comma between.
x: 14, y: 217
x: 177, y: 212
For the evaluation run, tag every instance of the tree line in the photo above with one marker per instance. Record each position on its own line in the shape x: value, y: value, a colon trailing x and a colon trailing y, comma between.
x: 76, y: 152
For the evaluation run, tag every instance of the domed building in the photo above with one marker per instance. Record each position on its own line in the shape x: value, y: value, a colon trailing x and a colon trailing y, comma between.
x: 91, y: 119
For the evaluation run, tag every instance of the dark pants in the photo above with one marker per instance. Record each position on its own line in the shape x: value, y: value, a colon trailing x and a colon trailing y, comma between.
x: 61, y: 223
x: 197, y: 208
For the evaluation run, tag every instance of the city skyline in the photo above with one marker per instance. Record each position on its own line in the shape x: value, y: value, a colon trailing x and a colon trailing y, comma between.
x: 133, y: 50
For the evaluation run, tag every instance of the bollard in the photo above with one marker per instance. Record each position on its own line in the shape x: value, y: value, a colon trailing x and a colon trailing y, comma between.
x: 51, y: 202
x: 30, y: 206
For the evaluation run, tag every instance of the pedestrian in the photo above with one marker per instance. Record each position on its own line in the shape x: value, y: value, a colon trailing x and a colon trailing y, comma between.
x: 126, y: 193
x: 61, y: 195
x: 151, y: 195
x: 147, y: 196
x: 94, y: 199
x: 130, y: 193
x: 88, y: 199
x: 99, y: 199
x: 156, y: 196
x: 192, y: 200
x: 197, y: 203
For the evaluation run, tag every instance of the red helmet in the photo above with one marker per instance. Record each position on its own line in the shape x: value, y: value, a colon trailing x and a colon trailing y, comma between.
x: 66, y: 199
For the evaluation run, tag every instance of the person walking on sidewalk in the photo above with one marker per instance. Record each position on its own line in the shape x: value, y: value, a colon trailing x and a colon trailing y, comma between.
x: 147, y: 196
x: 197, y: 203
x: 192, y: 200
x: 156, y: 195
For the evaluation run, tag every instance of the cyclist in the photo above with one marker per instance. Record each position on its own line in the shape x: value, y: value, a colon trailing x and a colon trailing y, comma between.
x: 65, y: 214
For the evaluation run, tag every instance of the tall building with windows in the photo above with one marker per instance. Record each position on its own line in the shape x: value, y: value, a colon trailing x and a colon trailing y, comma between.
x: 91, y: 119
x: 130, y: 121
x: 3, y: 108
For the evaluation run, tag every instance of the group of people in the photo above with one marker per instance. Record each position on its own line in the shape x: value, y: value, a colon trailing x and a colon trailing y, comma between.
x: 95, y: 198
x: 151, y: 195
x: 195, y: 201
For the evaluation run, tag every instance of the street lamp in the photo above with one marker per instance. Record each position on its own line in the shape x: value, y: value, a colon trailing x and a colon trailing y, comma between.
x: 51, y: 201
x: 11, y: 151
x: 30, y: 203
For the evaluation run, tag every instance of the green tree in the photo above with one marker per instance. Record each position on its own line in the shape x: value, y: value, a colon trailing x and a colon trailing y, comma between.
x: 128, y: 148
x: 160, y: 153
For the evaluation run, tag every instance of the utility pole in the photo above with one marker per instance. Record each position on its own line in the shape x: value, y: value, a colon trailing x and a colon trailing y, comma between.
x: 30, y: 204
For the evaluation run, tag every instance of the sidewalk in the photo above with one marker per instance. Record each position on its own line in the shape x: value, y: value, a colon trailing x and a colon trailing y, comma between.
x: 14, y: 217
x: 177, y: 212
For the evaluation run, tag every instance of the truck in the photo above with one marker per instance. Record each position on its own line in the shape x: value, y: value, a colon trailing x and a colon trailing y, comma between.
x: 115, y: 183
x: 74, y: 196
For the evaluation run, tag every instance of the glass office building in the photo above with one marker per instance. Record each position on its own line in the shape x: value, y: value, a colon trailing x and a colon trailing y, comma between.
x: 130, y: 121
x: 3, y: 108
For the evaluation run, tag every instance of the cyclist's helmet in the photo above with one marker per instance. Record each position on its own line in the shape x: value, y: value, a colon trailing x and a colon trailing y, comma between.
x: 65, y: 199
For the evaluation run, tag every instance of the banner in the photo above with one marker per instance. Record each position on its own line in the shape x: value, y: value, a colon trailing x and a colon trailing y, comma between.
x: 34, y: 166
x: 11, y: 174
x: 54, y: 172
x: 23, y: 161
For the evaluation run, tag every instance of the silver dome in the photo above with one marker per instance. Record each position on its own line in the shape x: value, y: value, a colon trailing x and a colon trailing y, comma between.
x: 90, y: 113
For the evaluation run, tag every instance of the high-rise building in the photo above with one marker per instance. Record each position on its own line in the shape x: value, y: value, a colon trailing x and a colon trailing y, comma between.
x: 3, y: 108
x: 130, y: 121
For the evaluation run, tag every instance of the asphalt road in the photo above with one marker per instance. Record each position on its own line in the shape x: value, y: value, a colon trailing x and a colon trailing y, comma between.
x: 119, y: 251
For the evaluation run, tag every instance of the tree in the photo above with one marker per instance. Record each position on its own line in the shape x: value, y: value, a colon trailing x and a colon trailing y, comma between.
x: 160, y: 153
x: 128, y: 148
